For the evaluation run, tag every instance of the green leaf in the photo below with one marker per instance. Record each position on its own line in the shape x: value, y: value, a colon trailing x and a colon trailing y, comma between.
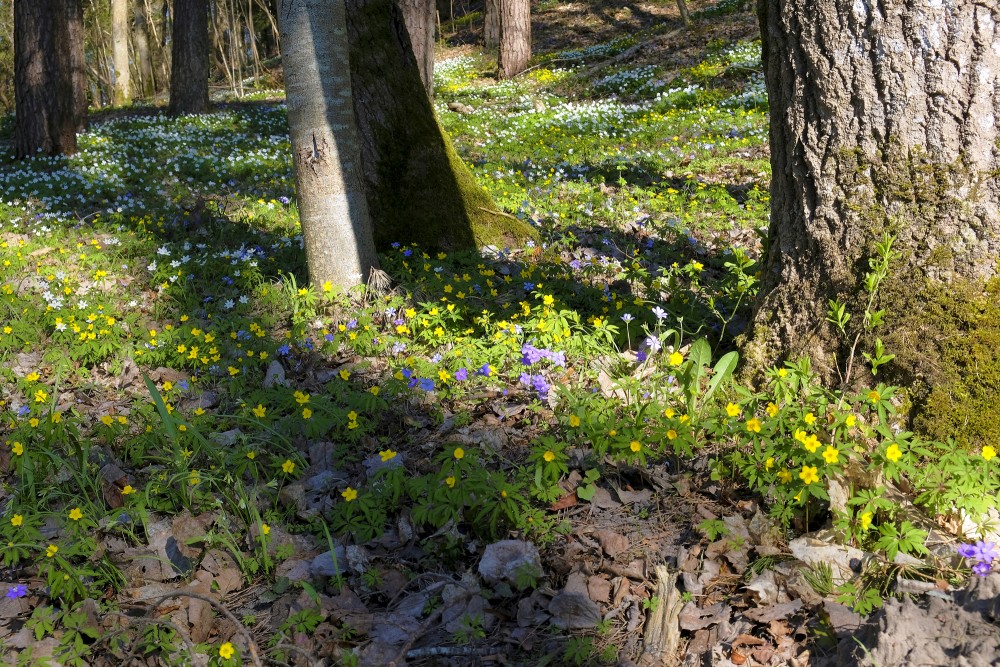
x: 723, y: 370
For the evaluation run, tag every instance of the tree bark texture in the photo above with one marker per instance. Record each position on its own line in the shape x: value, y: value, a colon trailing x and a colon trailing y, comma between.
x: 333, y: 209
x: 419, y: 18
x: 50, y: 98
x: 883, y: 119
x: 119, y: 51
x: 491, y: 25
x: 515, y: 36
x: 141, y: 38
x: 418, y: 189
x: 189, y: 58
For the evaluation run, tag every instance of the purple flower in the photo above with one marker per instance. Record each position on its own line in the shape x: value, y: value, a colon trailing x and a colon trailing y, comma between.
x: 284, y: 200
x: 627, y: 317
x: 986, y: 551
x: 575, y: 264
x: 967, y: 550
x: 640, y: 356
x: 660, y: 313
x: 17, y: 591
x: 558, y: 359
x: 653, y: 343
x: 398, y: 348
x: 531, y: 354
x: 484, y: 370
x: 23, y: 410
x: 524, y: 379
x: 352, y: 324
x: 461, y: 375
x: 981, y: 568
x: 427, y: 384
x: 407, y: 253
x: 529, y: 286
x: 541, y: 386
x: 329, y: 338
x: 407, y: 373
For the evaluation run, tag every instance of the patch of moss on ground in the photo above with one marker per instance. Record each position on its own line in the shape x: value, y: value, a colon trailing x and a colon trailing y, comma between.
x: 946, y: 338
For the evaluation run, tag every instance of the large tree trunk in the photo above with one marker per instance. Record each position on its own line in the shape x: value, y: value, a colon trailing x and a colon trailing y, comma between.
x: 189, y: 58
x: 491, y: 25
x: 333, y: 209
x: 419, y: 18
x: 50, y: 98
x: 418, y: 189
x: 881, y: 121
x: 119, y: 51
x: 515, y: 36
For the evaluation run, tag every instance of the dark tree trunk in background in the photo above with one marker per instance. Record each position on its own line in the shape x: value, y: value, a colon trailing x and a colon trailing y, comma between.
x: 419, y: 18
x: 143, y: 58
x: 515, y: 37
x: 491, y: 25
x: 418, y: 188
x: 682, y: 8
x: 879, y: 122
x: 49, y: 80
x: 189, y: 58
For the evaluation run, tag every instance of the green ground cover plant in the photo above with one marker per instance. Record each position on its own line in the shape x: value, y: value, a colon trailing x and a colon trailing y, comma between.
x: 151, y: 285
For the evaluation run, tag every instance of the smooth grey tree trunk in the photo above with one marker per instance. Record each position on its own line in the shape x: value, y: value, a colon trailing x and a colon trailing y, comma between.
x: 419, y: 18
x: 119, y: 51
x: 333, y: 211
x: 515, y: 37
x: 884, y: 117
x: 143, y: 58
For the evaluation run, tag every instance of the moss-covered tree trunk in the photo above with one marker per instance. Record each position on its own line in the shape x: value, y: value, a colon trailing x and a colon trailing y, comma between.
x: 418, y: 188
x: 883, y: 119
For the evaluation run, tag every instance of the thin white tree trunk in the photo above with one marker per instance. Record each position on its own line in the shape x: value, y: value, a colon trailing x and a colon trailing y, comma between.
x: 119, y: 51
x: 333, y: 210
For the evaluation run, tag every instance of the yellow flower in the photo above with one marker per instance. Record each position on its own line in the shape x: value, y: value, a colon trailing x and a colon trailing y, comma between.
x: 307, y: 413
x: 808, y: 474
x: 251, y: 455
x: 51, y: 550
x: 874, y: 396
x: 128, y: 490
x: 328, y: 286
x: 668, y: 413
x: 265, y: 529
x: 234, y: 371
x: 549, y: 456
x: 772, y: 409
x: 450, y: 481
x: 374, y: 391
x: 31, y: 377
x: 75, y: 514
x: 459, y: 453
x: 866, y: 520
x: 226, y: 651
x: 893, y: 453
x: 387, y: 455
x: 671, y: 434
x: 574, y: 421
x: 732, y: 409
x: 830, y: 454
x: 17, y: 448
x: 809, y: 419
x: 301, y: 397
x: 16, y: 520
x: 753, y: 425
x: 769, y: 463
x: 288, y: 467
x: 800, y: 435
x: 40, y: 396
x: 988, y: 452
x: 345, y: 375
x: 676, y: 359
x: 57, y: 418
x: 260, y: 411
x: 782, y: 372
x: 850, y: 421
x: 811, y: 443
x: 635, y: 446
x: 349, y: 494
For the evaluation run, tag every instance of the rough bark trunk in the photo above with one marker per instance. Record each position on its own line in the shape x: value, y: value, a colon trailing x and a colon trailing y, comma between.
x: 333, y: 209
x: 515, y: 37
x: 418, y: 189
x: 189, y: 58
x: 882, y: 120
x: 419, y: 18
x: 119, y: 51
x: 50, y: 102
x: 491, y: 25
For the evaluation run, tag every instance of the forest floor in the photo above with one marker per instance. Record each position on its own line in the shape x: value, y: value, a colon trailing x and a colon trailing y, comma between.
x: 521, y: 456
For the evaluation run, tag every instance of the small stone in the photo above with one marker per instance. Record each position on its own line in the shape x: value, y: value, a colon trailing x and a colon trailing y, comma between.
x: 329, y: 563
x: 275, y: 375
x: 572, y: 610
x: 503, y: 560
